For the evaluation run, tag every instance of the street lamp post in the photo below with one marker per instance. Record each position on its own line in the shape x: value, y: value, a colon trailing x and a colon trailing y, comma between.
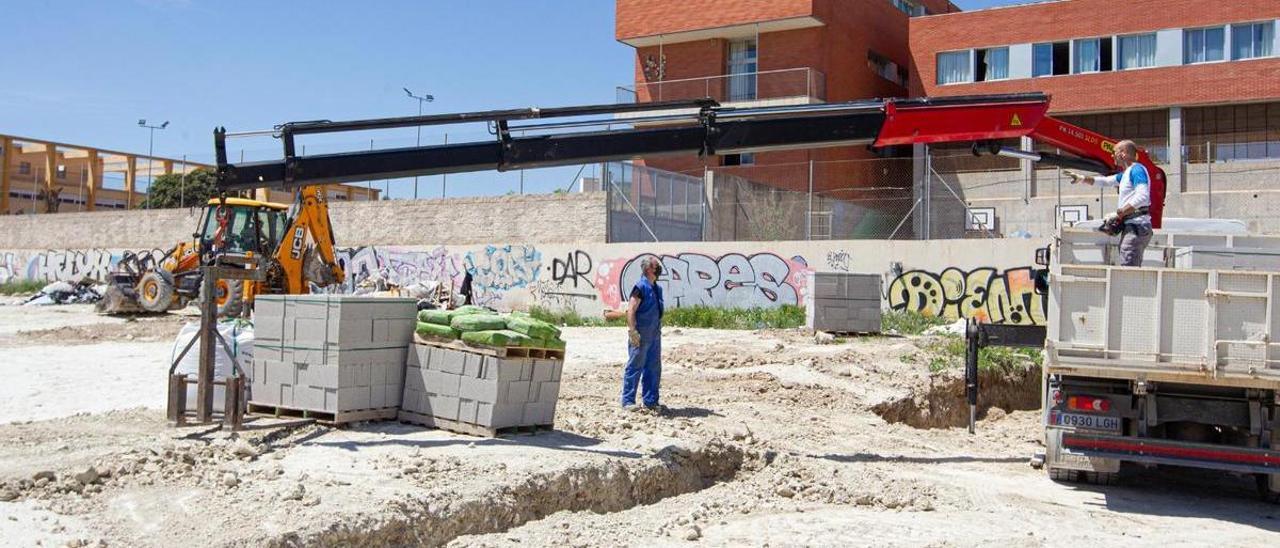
x: 424, y: 98
x: 151, y: 147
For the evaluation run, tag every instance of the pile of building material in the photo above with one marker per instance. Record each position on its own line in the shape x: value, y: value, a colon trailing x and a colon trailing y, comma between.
x: 479, y: 391
x: 482, y: 327
x: 332, y: 357
x: 843, y: 303
x: 343, y: 359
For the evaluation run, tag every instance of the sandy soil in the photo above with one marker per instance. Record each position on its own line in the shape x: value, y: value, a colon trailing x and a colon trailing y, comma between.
x: 768, y: 439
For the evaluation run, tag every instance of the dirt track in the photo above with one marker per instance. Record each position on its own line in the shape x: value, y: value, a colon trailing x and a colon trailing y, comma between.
x: 769, y: 438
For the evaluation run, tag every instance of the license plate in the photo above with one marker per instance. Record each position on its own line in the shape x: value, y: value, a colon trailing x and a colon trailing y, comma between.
x: 1085, y: 422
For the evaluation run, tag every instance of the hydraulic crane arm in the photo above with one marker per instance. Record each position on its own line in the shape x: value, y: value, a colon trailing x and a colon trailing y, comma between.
x: 700, y: 127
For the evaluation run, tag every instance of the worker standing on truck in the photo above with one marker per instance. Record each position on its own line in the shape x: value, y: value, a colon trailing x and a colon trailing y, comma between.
x: 1135, y: 199
x: 644, y: 338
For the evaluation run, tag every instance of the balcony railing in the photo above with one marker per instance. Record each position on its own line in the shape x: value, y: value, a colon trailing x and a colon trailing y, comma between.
x: 799, y: 83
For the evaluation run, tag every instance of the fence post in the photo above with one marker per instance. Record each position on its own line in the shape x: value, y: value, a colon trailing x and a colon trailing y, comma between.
x: 808, y: 220
x: 1208, y: 150
x: 928, y: 193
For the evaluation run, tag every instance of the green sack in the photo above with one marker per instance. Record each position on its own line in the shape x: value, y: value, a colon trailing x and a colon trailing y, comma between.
x: 496, y: 338
x: 537, y: 329
x: 478, y: 322
x: 472, y: 309
x: 436, y: 330
x: 440, y: 317
x: 553, y: 344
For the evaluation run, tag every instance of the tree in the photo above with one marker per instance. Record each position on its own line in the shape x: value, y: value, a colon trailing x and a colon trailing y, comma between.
x: 173, y: 190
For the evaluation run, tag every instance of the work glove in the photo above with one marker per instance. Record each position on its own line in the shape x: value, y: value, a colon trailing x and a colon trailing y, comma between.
x: 634, y: 337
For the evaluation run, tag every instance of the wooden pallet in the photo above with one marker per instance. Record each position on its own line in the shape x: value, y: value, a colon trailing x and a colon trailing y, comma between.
x: 497, y: 351
x: 324, y: 417
x: 468, y: 428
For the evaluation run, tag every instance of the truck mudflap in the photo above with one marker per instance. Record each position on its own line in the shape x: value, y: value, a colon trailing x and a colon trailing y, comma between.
x: 1178, y: 453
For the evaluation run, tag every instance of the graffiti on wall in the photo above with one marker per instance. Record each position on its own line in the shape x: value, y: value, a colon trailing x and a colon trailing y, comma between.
x: 66, y: 265
x: 985, y: 294
x: 399, y: 267
x: 498, y: 269
x: 838, y: 260
x: 763, y: 280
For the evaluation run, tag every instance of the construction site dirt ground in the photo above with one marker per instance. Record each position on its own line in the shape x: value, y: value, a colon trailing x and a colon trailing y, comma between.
x: 768, y: 439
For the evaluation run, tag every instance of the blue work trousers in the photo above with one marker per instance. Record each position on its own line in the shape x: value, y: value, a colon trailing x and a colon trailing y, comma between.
x: 644, y: 367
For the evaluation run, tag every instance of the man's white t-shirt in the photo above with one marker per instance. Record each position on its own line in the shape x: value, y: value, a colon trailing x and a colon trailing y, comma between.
x: 1135, y: 190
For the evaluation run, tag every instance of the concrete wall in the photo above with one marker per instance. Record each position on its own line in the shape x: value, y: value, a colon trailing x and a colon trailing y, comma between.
x: 1246, y: 190
x: 575, y: 217
x: 971, y: 278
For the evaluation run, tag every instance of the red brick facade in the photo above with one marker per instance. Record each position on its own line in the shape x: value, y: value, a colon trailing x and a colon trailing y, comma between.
x: 836, y: 46
x: 1148, y: 88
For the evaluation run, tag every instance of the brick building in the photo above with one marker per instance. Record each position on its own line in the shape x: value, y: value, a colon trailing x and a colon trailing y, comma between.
x: 1166, y: 73
x: 769, y: 52
x: 41, y: 176
x: 1197, y: 83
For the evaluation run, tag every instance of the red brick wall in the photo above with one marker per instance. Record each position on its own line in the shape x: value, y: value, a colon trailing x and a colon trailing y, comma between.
x: 637, y: 18
x: 1231, y: 82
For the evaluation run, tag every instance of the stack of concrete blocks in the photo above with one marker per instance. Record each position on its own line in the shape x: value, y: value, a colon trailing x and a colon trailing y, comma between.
x: 843, y: 303
x: 444, y: 385
x: 330, y: 353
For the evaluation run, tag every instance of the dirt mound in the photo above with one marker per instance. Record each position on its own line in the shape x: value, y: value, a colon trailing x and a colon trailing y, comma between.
x: 613, y: 487
x: 941, y: 402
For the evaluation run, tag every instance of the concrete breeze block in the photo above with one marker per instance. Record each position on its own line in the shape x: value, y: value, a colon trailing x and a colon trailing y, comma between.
x: 543, y: 370
x: 451, y: 361
x: 517, y: 392
x: 478, y: 389
x: 466, y: 411
x: 445, y: 407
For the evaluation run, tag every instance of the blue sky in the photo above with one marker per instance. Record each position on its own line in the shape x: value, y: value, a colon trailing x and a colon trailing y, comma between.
x: 85, y: 72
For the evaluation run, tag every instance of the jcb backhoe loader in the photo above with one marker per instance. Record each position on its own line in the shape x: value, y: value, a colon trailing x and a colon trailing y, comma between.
x: 297, y: 243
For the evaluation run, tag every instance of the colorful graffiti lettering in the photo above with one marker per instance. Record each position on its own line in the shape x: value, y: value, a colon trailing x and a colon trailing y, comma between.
x: 74, y: 265
x: 500, y: 269
x: 984, y: 294
x: 763, y: 280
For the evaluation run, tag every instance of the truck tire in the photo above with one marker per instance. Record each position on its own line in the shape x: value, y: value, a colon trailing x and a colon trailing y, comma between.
x: 1102, y: 478
x: 1265, y: 492
x: 1064, y: 475
x: 155, y: 291
x: 227, y: 294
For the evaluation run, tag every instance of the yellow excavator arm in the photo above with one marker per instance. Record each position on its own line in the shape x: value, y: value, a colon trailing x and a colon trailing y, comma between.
x: 309, y: 224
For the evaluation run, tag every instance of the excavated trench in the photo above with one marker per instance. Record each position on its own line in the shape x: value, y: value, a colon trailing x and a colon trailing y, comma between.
x: 941, y: 403
x: 613, y: 486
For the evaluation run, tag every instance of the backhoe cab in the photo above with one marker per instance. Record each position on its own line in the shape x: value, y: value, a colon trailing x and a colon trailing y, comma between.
x: 239, y: 226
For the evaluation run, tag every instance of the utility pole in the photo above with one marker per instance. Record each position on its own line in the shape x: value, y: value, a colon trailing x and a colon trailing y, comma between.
x: 151, y: 147
x: 424, y: 98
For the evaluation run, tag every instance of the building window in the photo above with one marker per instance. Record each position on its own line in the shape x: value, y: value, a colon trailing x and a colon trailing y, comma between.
x: 1051, y: 59
x: 744, y: 159
x: 910, y: 8
x: 84, y: 176
x: 1092, y: 55
x: 886, y: 69
x: 990, y: 64
x: 742, y: 69
x: 1137, y: 51
x: 62, y: 172
x: 24, y: 168
x: 1203, y: 45
x: 1251, y: 41
x: 1232, y: 132
x: 954, y: 67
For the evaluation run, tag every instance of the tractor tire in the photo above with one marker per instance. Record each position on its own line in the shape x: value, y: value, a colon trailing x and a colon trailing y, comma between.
x: 227, y: 296
x: 155, y: 291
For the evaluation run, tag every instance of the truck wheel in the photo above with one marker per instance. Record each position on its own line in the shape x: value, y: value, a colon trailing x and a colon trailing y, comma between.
x: 1064, y: 475
x: 1265, y: 492
x: 1102, y: 478
x: 155, y: 291
x: 227, y: 297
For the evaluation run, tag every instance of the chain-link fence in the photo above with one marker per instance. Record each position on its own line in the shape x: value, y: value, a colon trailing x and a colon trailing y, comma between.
x: 945, y: 193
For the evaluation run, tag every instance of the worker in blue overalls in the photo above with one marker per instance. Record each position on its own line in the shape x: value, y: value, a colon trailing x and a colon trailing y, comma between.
x: 644, y: 351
